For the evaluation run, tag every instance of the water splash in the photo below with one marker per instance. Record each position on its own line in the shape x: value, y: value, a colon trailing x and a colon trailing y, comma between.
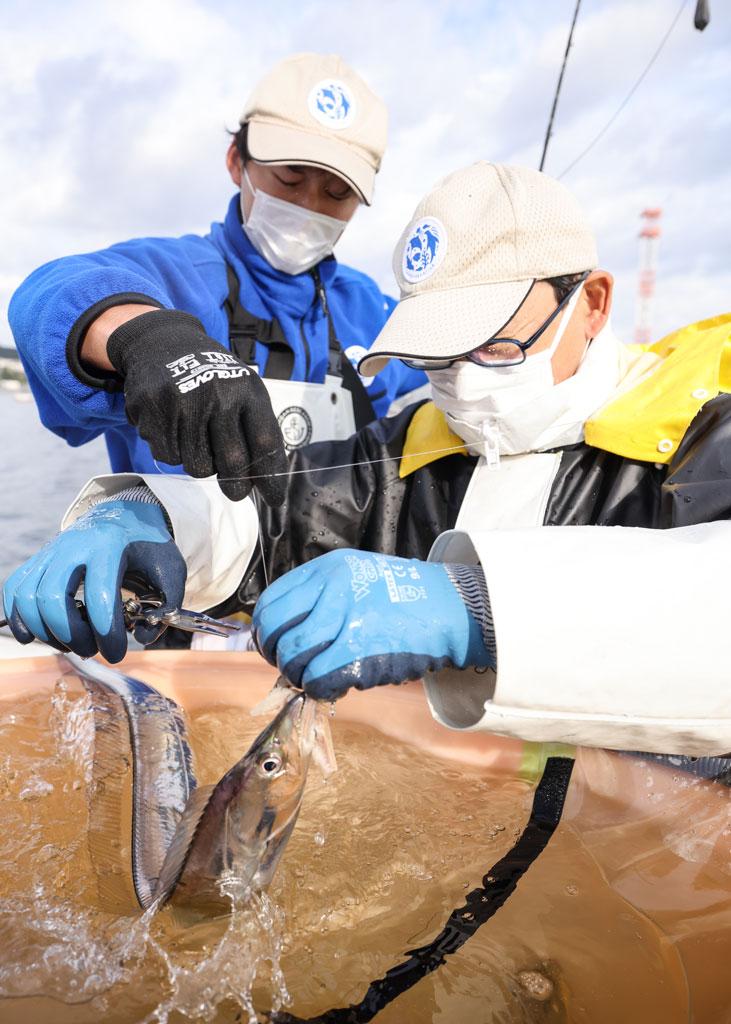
x: 72, y: 723
x: 252, y: 940
x: 64, y: 954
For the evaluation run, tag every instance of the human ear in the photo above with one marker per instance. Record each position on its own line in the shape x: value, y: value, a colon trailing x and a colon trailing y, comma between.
x: 598, y: 290
x: 234, y: 164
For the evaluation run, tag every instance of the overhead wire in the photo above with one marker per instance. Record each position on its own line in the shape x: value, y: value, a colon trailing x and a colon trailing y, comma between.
x: 629, y: 95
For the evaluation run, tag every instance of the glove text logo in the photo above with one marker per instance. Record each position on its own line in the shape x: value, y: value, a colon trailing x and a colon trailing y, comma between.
x: 394, y: 573
x: 192, y: 370
x: 363, y: 572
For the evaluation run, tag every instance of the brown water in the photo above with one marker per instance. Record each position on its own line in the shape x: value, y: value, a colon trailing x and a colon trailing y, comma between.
x: 383, y: 851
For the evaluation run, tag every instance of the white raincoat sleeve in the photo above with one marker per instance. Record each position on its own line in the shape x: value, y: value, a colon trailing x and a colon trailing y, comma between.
x: 216, y: 537
x: 606, y: 637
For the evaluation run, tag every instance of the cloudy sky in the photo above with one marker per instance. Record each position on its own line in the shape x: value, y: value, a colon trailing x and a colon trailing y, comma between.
x: 114, y: 116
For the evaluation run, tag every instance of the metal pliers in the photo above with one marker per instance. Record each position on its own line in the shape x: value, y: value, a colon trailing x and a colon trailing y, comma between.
x: 142, y: 605
x: 145, y: 609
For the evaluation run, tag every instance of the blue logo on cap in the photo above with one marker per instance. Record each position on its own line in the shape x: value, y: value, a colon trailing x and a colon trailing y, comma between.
x: 424, y: 250
x: 332, y: 103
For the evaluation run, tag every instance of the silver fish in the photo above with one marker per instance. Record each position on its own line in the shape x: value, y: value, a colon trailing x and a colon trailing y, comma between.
x: 131, y: 719
x: 238, y: 829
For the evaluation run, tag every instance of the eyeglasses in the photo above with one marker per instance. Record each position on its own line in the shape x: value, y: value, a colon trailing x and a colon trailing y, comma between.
x: 497, y: 351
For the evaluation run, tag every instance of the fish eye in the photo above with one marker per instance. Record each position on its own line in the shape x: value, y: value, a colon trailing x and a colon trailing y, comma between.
x: 269, y: 764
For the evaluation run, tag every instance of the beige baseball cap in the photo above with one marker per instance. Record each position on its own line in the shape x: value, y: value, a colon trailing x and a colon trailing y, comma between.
x: 315, y: 110
x: 469, y: 257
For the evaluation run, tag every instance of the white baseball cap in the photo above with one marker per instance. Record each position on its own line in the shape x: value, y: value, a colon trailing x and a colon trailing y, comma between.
x: 315, y: 110
x: 470, y: 255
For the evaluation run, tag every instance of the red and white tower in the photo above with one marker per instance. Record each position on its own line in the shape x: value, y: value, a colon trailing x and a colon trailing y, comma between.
x: 649, y: 234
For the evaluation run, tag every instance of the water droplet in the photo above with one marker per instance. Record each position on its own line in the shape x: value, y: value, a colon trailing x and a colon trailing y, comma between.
x: 319, y: 838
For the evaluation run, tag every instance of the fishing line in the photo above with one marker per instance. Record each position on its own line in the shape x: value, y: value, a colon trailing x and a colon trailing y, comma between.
x: 314, y: 469
x: 262, y: 551
x: 295, y: 472
x: 498, y: 884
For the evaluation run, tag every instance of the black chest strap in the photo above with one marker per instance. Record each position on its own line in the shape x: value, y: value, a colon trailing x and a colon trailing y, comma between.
x: 245, y: 330
x: 340, y: 366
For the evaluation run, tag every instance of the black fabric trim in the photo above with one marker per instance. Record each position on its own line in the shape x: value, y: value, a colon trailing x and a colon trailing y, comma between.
x: 102, y: 380
x: 362, y: 403
x: 314, y: 163
x: 497, y: 885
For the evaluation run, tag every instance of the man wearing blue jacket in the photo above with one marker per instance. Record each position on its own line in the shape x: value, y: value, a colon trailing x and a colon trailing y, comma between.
x: 162, y: 344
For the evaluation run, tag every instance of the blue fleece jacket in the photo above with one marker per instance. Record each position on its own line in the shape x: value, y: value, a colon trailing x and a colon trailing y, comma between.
x: 188, y: 274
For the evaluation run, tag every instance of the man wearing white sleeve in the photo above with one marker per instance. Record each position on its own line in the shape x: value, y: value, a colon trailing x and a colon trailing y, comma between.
x: 608, y: 629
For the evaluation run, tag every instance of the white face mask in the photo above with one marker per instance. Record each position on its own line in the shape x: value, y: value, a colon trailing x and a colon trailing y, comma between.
x: 509, y: 410
x: 289, y: 237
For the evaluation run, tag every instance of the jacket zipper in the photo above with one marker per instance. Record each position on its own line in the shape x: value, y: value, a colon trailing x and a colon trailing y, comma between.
x: 320, y: 292
x: 306, y: 347
x: 334, y: 348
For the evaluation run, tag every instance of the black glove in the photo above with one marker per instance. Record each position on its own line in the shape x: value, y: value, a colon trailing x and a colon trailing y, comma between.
x: 195, y: 404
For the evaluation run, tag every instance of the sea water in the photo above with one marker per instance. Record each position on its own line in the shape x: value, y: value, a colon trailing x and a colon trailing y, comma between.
x: 41, y: 476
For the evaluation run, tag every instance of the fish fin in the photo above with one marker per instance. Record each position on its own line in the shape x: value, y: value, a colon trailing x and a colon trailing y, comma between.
x: 110, y: 802
x: 275, y: 699
x: 181, y: 843
x: 323, y: 751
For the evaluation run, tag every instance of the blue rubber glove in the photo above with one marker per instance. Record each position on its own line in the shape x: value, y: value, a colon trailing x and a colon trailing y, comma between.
x: 353, y: 618
x: 111, y: 539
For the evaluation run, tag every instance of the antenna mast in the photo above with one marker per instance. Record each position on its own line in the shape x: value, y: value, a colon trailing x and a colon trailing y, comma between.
x: 649, y: 235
